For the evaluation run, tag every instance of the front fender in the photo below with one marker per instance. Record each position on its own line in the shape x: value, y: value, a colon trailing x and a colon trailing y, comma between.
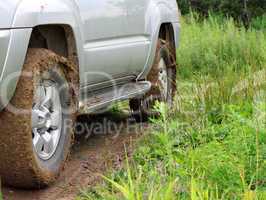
x: 40, y: 12
x: 28, y: 15
x: 15, y: 52
x: 7, y: 11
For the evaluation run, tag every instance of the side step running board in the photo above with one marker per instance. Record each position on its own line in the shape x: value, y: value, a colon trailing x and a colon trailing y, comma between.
x: 94, y: 101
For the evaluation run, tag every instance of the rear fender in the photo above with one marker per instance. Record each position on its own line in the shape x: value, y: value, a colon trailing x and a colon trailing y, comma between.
x: 158, y: 13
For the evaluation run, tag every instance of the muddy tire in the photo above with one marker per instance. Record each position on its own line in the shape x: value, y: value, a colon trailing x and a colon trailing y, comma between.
x: 34, y: 147
x: 163, y: 79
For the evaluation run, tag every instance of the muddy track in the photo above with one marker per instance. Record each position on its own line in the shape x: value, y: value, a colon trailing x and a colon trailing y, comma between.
x: 91, y: 156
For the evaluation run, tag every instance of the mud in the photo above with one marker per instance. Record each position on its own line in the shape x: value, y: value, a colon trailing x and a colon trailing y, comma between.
x: 163, y: 50
x: 91, y: 157
x: 19, y: 166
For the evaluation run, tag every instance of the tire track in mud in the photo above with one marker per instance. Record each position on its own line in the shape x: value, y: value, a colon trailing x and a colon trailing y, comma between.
x: 91, y: 156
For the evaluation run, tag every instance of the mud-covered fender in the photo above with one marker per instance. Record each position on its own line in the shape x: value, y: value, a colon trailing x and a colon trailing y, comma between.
x: 43, y: 12
x: 160, y: 12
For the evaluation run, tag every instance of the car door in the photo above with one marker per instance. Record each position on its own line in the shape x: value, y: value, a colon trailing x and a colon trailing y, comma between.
x: 137, y: 27
x: 106, y: 53
x: 137, y: 10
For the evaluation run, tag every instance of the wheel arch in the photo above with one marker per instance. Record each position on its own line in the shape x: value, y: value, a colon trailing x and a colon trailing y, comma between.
x: 40, y: 36
x: 58, y: 38
x: 55, y: 14
x: 166, y: 37
x: 167, y: 33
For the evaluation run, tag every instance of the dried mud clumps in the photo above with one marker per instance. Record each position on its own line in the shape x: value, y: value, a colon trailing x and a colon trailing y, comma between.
x: 170, y: 60
x: 19, y: 166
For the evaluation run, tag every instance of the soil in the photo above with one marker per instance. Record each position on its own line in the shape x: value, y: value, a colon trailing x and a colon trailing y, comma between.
x: 92, y: 155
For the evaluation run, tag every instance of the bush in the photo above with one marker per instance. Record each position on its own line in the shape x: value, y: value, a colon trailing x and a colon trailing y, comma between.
x: 231, y: 8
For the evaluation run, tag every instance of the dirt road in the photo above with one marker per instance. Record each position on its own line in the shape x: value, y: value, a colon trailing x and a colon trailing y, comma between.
x: 91, y: 156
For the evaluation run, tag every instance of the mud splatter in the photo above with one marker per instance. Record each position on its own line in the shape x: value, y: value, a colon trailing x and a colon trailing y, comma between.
x: 90, y: 157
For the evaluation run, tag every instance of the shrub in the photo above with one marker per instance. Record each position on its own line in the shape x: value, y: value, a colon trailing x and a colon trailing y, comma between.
x: 231, y: 8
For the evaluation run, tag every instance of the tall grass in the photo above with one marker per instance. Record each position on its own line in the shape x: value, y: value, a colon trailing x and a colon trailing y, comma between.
x: 212, y: 145
x: 259, y: 23
x: 216, y: 46
x: 219, y: 62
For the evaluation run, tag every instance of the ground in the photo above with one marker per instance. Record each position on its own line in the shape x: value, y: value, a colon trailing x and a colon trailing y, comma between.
x: 114, y: 134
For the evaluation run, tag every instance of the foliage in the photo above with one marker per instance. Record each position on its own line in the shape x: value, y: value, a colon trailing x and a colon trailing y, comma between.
x: 235, y: 9
x: 259, y: 23
x: 216, y: 46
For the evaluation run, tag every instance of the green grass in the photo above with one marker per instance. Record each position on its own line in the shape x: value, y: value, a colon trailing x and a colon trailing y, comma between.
x: 1, y: 196
x: 212, y: 145
x: 217, y: 47
x: 259, y: 23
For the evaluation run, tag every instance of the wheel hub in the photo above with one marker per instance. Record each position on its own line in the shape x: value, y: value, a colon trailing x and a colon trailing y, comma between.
x: 163, y: 79
x: 46, y: 120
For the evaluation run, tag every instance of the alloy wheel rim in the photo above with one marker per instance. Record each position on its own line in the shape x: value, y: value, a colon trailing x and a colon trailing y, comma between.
x: 46, y: 120
x: 163, y: 79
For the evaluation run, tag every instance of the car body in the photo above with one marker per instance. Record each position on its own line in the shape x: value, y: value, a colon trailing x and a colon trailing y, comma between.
x: 124, y: 32
x: 61, y: 58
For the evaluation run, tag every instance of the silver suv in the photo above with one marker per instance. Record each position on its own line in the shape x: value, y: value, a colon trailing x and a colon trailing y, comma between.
x: 60, y: 58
